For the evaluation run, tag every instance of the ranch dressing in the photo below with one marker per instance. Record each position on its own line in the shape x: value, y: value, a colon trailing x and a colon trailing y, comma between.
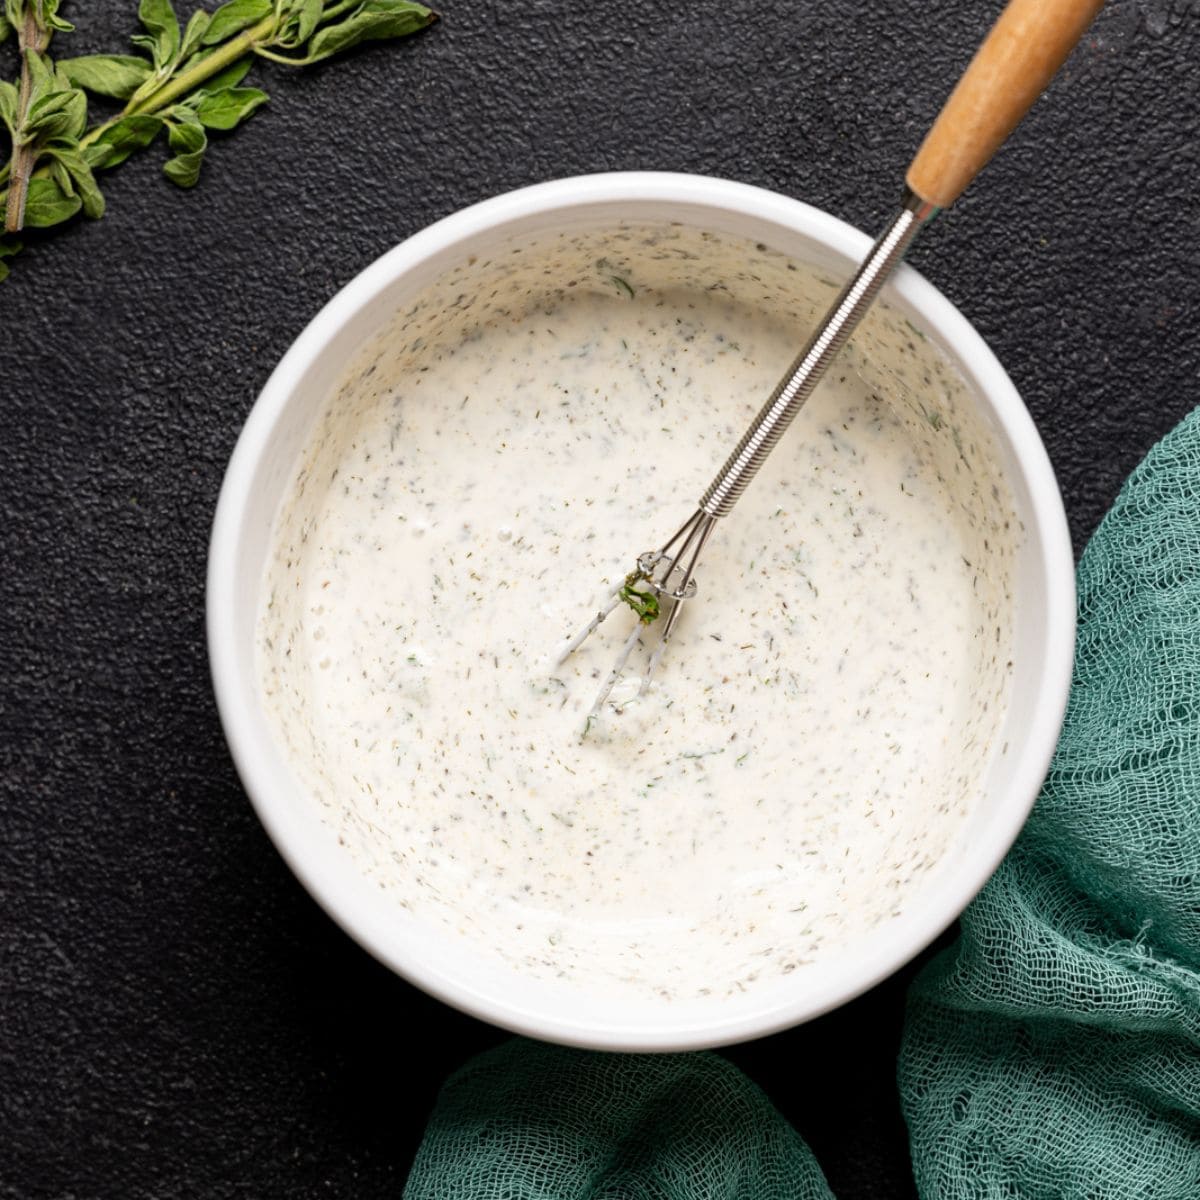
x: 824, y: 716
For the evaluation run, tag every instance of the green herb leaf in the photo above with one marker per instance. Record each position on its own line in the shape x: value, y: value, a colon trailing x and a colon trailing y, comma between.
x: 185, y: 134
x: 119, y: 141
x: 47, y: 204
x: 644, y: 602
x: 61, y: 176
x: 50, y: 18
x: 301, y: 18
x: 6, y: 31
x: 193, y: 35
x: 55, y: 114
x: 91, y: 195
x: 80, y: 182
x: 115, y: 75
x: 8, y: 104
x: 372, y: 21
x: 41, y: 75
x: 187, y: 138
x: 162, y: 38
x: 233, y: 17
x: 184, y: 169
x: 227, y: 108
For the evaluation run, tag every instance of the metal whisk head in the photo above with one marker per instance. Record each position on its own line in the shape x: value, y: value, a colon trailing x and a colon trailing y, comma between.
x: 666, y: 575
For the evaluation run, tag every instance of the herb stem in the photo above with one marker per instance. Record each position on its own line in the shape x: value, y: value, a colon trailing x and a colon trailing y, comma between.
x: 262, y: 52
x: 187, y: 81
x: 336, y: 10
x: 35, y: 36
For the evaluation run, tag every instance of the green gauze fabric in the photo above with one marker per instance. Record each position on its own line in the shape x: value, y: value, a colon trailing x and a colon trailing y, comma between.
x: 1052, y: 1054
x: 528, y: 1121
x: 1055, y: 1050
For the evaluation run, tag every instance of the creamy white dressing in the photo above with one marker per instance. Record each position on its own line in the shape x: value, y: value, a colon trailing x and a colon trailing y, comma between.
x: 827, y: 709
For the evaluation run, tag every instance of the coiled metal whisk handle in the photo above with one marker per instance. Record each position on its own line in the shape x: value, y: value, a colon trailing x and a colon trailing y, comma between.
x: 810, y: 365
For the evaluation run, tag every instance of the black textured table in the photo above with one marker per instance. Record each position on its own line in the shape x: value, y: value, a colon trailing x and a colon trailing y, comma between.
x: 177, y: 1017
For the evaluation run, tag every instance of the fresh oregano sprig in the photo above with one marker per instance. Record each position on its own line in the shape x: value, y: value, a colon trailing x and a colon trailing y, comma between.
x: 45, y: 113
x: 185, y: 81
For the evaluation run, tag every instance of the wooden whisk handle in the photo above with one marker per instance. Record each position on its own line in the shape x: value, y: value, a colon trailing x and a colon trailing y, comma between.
x: 1025, y: 48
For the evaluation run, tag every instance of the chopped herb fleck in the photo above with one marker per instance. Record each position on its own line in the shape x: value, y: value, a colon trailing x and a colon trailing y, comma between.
x: 643, y: 602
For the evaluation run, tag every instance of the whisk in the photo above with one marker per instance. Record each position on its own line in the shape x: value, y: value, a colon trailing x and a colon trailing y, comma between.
x: 1016, y: 61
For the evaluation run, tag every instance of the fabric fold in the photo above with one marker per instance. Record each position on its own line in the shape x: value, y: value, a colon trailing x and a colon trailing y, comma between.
x: 1054, y: 1051
x: 529, y: 1121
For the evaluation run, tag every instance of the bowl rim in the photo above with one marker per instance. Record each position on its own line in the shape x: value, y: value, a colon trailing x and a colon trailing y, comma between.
x: 236, y: 704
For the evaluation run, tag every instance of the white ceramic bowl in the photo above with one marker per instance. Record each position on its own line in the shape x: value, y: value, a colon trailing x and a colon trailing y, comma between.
x: 261, y: 468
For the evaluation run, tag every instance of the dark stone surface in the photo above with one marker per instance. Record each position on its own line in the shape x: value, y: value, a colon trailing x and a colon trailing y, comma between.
x: 177, y: 1018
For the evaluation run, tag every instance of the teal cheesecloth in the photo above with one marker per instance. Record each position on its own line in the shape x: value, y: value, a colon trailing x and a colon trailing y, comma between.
x: 1053, y: 1053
